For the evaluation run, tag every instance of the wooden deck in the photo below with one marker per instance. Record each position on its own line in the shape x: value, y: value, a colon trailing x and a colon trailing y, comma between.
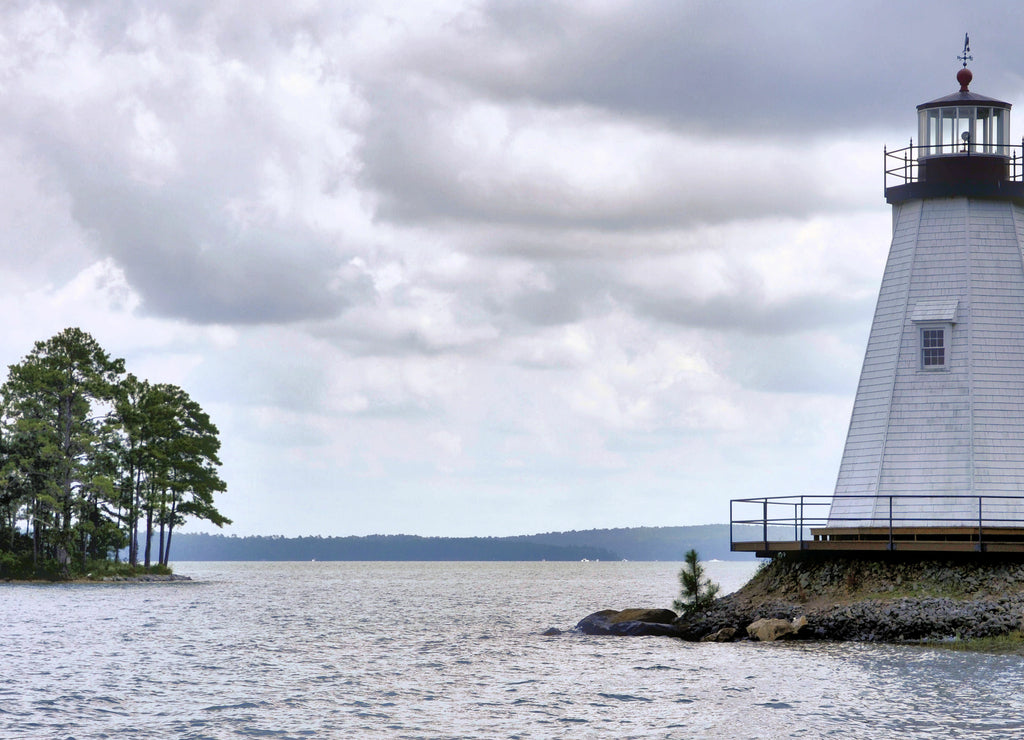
x: 897, y: 539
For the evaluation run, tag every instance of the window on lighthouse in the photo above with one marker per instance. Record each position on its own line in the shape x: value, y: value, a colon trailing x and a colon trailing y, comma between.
x: 933, y: 349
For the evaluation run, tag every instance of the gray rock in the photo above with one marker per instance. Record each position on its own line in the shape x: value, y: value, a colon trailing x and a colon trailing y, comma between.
x: 770, y: 630
x: 726, y: 634
x: 629, y: 622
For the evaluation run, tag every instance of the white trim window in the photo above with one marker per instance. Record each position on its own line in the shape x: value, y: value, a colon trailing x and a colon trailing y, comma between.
x: 934, y: 320
x: 933, y: 348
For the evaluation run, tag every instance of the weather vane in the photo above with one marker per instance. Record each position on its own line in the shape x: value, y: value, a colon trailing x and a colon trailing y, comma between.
x: 966, y: 56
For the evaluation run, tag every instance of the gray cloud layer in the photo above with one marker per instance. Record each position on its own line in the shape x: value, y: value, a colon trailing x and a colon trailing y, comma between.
x: 181, y: 133
x: 462, y: 246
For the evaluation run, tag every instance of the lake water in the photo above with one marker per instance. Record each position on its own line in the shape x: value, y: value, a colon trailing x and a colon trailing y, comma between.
x: 452, y: 650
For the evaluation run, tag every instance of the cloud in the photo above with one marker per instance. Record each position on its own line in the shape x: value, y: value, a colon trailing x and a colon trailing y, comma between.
x: 479, y: 267
x: 480, y: 161
x: 795, y: 69
x: 210, y: 179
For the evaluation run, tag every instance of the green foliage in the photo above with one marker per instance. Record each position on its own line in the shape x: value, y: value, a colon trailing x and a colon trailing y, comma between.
x: 97, y: 570
x: 92, y: 460
x: 15, y: 566
x: 696, y: 591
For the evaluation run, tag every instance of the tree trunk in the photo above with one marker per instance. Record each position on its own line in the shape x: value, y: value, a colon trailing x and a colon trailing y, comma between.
x: 165, y: 555
x: 133, y: 520
x: 160, y: 549
x: 67, y: 482
x: 35, y: 535
x: 133, y: 531
x: 149, y: 535
x: 167, y: 547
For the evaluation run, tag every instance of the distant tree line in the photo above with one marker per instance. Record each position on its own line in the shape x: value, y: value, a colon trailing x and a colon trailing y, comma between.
x: 634, y: 543
x: 650, y: 543
x: 379, y: 547
x: 95, y: 461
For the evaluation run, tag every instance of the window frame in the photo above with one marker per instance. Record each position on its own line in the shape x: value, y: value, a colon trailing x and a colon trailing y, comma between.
x: 946, y: 347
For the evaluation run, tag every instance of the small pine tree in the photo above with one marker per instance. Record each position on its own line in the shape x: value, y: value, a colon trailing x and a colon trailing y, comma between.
x: 697, y: 592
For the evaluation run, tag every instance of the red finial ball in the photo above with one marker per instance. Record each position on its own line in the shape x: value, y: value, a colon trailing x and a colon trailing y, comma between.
x: 964, y: 77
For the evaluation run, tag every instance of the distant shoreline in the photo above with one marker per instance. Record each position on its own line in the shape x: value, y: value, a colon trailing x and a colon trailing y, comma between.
x: 663, y: 544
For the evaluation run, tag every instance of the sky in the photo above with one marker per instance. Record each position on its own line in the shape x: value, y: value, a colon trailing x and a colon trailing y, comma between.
x: 475, y: 268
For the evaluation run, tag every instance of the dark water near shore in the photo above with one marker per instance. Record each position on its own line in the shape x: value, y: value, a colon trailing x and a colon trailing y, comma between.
x: 452, y: 650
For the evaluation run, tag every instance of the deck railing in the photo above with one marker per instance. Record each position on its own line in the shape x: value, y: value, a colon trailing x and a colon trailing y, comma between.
x: 791, y: 518
x: 901, y: 166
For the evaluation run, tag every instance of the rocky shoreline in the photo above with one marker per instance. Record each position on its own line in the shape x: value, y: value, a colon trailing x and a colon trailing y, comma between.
x: 145, y: 578
x: 882, y: 599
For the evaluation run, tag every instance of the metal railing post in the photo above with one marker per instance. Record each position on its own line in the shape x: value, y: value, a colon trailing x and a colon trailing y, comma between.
x: 764, y: 523
x: 732, y: 540
x: 891, y: 546
x: 800, y: 523
x: 981, y: 548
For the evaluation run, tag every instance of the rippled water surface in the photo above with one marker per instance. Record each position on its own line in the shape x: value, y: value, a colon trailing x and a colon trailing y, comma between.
x: 452, y: 650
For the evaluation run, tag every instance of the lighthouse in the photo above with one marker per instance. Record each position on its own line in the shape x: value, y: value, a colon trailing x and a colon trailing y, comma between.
x: 936, y: 437
x: 934, y: 454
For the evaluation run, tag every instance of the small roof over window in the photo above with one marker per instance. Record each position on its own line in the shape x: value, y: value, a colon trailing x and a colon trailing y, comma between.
x: 940, y: 310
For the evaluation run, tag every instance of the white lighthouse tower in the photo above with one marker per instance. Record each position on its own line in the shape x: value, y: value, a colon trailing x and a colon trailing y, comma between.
x: 936, y: 438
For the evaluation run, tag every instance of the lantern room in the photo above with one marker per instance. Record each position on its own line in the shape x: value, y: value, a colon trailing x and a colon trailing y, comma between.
x: 963, y: 123
x: 963, y: 149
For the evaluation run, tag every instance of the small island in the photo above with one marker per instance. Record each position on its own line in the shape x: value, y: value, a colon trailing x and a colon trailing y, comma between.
x: 96, y: 465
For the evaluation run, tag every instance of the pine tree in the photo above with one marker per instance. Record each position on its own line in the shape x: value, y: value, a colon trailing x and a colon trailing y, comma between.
x: 697, y: 592
x: 55, y: 403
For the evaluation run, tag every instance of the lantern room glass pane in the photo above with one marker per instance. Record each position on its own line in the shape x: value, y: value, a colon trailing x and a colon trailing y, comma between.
x: 948, y: 135
x: 981, y: 139
x: 934, y: 138
x: 964, y: 118
x: 1001, y: 130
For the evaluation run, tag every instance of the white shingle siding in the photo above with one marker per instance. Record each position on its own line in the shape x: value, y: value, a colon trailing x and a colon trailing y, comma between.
x: 956, y: 262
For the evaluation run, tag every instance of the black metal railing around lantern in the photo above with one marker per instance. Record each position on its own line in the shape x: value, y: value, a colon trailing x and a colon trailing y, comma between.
x: 907, y: 165
x: 965, y: 523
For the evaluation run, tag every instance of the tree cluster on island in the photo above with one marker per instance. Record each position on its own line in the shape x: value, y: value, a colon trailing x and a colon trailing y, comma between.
x: 95, y: 462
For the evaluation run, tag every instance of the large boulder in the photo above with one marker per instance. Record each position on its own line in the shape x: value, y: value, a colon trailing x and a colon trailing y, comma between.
x: 629, y: 622
x: 769, y: 630
x: 726, y: 634
x: 654, y: 616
